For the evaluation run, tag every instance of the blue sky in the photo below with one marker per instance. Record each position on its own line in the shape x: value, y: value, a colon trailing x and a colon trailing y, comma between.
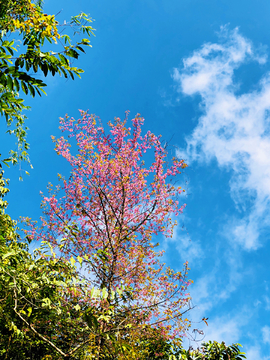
x: 198, y: 72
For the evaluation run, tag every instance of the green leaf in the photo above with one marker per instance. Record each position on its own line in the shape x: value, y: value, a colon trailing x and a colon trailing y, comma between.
x: 44, y: 68
x: 71, y: 74
x: 9, y: 83
x: 80, y: 48
x: 32, y: 90
x: 72, y: 261
x: 10, y: 50
x: 24, y: 87
x: 72, y: 53
x: 29, y: 311
x: 27, y: 65
x: 63, y: 59
x: 35, y: 66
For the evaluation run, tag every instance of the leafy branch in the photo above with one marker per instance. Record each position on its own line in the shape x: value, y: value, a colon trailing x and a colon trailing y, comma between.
x: 35, y: 29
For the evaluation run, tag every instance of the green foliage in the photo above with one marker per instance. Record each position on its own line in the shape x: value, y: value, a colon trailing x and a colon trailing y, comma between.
x: 152, y: 346
x: 35, y: 28
x: 209, y: 351
x: 37, y: 316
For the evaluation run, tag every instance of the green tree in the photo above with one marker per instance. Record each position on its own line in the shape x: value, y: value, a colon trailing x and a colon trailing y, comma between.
x: 36, y: 30
x: 208, y: 351
x: 39, y: 312
x: 156, y: 348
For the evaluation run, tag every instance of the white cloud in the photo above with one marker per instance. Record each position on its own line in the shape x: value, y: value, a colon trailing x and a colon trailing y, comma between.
x: 234, y: 129
x: 244, y: 231
x: 187, y: 248
x: 267, y: 303
x: 214, y: 288
x: 225, y: 329
x: 266, y: 334
x: 255, y: 353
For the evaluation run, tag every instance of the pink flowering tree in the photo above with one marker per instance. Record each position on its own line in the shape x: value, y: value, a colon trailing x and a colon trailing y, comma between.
x: 104, y: 220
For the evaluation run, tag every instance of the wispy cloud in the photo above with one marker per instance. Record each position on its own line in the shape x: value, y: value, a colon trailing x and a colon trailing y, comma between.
x: 188, y: 250
x: 216, y: 286
x: 233, y: 130
x: 266, y: 334
x: 267, y: 303
x: 226, y: 328
x: 254, y: 352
